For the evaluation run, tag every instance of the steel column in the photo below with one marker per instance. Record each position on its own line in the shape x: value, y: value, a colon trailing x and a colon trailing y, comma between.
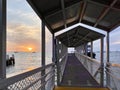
x: 53, y: 47
x: 102, y: 62
x: 2, y: 39
x: 43, y: 53
x: 107, y: 57
x: 108, y: 48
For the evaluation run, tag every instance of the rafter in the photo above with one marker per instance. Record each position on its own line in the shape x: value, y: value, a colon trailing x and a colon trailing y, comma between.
x: 83, y: 10
x: 105, y: 13
x: 63, y: 11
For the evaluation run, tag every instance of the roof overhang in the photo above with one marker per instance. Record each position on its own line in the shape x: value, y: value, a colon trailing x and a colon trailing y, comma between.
x: 59, y: 14
x: 78, y: 36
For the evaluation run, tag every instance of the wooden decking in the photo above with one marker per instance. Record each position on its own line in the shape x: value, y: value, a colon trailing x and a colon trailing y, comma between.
x: 75, y: 74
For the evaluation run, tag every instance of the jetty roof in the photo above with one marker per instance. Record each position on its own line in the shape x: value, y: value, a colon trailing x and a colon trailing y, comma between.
x: 59, y: 14
x: 78, y: 36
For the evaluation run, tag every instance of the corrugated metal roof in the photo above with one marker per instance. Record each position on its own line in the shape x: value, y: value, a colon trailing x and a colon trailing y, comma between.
x: 78, y: 36
x: 59, y: 14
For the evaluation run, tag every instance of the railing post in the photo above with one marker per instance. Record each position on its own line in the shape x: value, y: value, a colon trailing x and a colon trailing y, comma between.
x: 57, y: 62
x: 2, y: 39
x: 53, y: 53
x: 102, y: 62
x: 43, y: 54
x: 107, y: 54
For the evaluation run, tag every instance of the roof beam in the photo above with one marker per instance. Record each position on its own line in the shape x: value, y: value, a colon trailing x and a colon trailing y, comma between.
x: 105, y: 13
x: 83, y: 11
x: 63, y: 11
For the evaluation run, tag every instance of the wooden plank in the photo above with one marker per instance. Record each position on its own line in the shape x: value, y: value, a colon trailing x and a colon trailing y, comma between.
x: 79, y: 88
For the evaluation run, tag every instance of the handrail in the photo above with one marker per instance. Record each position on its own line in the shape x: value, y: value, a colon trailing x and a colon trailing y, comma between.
x: 113, y: 78
x: 9, y: 81
x: 92, y: 65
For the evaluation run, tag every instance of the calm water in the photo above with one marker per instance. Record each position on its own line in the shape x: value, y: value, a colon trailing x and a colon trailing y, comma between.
x: 25, y: 62
x: 28, y: 61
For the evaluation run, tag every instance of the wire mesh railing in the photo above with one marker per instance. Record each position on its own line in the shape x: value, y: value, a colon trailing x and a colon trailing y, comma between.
x: 62, y: 65
x: 92, y: 65
x: 113, y: 76
x: 31, y: 80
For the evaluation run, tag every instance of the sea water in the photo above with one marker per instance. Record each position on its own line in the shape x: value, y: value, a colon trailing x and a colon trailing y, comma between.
x: 26, y: 61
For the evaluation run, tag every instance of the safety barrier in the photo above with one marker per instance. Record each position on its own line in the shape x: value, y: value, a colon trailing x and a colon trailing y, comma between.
x: 31, y: 80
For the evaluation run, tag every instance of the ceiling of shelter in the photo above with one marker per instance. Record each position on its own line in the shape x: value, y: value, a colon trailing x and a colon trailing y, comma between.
x: 60, y: 14
x: 78, y: 36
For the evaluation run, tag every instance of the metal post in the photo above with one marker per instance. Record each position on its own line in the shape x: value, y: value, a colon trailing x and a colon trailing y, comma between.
x: 43, y: 53
x: 102, y: 62
x: 108, y: 49
x: 107, y: 57
x: 57, y: 62
x: 91, y: 49
x: 2, y: 39
x: 53, y: 47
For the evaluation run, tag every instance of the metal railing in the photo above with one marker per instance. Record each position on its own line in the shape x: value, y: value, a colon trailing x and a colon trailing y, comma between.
x: 62, y: 65
x: 113, y: 76
x: 92, y: 65
x: 31, y: 80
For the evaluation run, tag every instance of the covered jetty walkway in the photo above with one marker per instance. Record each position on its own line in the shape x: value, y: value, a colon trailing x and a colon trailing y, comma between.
x: 76, y: 74
x: 77, y: 77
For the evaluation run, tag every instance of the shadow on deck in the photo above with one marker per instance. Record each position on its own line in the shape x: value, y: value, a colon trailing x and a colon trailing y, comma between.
x: 76, y: 74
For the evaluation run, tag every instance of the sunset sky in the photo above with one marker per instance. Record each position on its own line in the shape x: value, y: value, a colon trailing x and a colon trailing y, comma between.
x: 23, y: 29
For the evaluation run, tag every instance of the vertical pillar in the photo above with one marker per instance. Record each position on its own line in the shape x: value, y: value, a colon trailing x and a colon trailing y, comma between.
x: 108, y: 49
x: 43, y: 53
x: 2, y: 39
x: 102, y: 62
x: 53, y: 47
x: 91, y: 49
x: 57, y: 62
x: 107, y: 57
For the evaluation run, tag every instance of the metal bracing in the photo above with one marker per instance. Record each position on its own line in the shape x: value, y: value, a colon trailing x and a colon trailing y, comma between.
x: 63, y: 11
x: 2, y: 39
x: 83, y: 10
x: 43, y: 53
x: 102, y: 61
x: 105, y: 13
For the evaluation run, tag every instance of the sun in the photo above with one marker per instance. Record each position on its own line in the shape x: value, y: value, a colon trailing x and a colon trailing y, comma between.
x: 30, y: 49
